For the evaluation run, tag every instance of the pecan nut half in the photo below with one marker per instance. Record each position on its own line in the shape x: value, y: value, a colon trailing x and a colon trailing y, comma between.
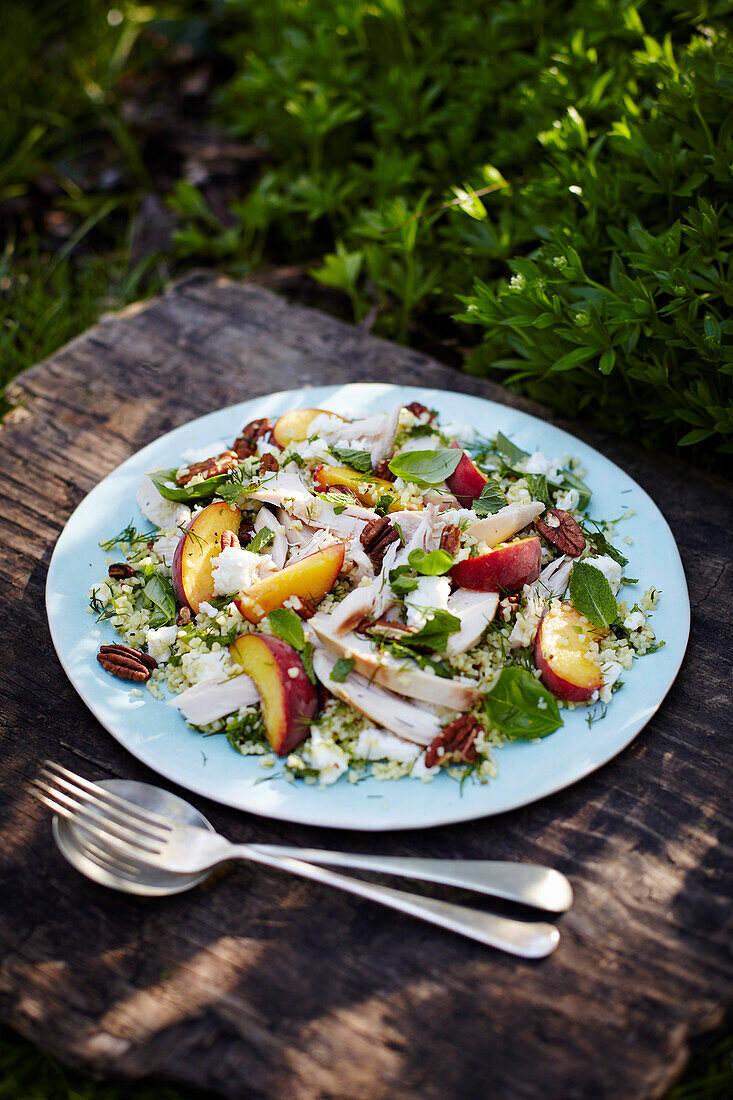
x: 419, y: 410
x: 376, y: 537
x: 245, y: 444
x: 268, y: 465
x: 229, y: 539
x: 303, y: 607
x: 455, y: 742
x: 450, y: 538
x: 567, y: 536
x: 120, y: 570
x: 183, y: 618
x: 210, y: 467
x: 126, y: 663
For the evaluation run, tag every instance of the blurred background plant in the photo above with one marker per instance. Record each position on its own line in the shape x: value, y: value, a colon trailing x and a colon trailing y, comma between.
x: 534, y: 190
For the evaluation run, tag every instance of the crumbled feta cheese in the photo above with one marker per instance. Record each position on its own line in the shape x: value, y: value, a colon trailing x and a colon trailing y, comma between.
x: 326, y: 758
x: 538, y: 463
x: 159, y: 642
x: 611, y: 570
x: 431, y: 594
x: 293, y: 672
x: 610, y: 670
x: 205, y: 666
x: 420, y: 771
x: 166, y: 514
x: 568, y: 500
x: 635, y: 621
x: 207, y: 609
x: 378, y: 744
x: 165, y: 547
x: 234, y: 570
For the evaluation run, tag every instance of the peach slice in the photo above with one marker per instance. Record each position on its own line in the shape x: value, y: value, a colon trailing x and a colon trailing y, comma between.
x: 292, y: 427
x: 309, y: 579
x: 367, y: 487
x: 561, y: 654
x: 466, y: 481
x: 191, y: 570
x: 509, y: 567
x: 288, y: 699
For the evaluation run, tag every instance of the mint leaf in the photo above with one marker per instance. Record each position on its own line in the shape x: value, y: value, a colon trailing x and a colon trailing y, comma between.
x: 603, y: 547
x: 433, y: 564
x: 400, y: 581
x: 492, y: 499
x: 592, y: 596
x: 538, y: 488
x: 426, y: 467
x: 286, y: 624
x: 434, y: 635
x: 509, y: 450
x: 341, y: 669
x: 357, y: 460
x: 262, y: 539
x: 520, y: 707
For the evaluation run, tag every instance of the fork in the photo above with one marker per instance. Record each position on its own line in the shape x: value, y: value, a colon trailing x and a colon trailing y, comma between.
x: 126, y: 836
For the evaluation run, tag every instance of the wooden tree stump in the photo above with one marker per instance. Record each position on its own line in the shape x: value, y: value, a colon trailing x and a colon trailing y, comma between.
x: 260, y: 985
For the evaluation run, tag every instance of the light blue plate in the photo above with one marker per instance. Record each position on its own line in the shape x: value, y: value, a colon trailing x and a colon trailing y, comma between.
x: 157, y: 735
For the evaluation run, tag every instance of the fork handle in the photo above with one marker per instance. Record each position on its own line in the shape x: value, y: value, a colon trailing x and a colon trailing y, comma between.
x: 530, y: 940
x: 526, y: 883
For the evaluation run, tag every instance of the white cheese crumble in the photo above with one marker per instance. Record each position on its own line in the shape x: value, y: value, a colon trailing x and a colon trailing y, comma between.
x: 205, y: 666
x: 166, y: 514
x: 538, y: 463
x: 635, y: 620
x: 159, y: 642
x: 165, y: 547
x: 431, y: 594
x: 611, y: 570
x: 568, y: 500
x: 326, y: 758
x: 234, y: 570
x: 377, y: 744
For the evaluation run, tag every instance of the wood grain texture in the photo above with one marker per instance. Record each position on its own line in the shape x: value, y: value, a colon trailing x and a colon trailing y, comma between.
x: 256, y: 985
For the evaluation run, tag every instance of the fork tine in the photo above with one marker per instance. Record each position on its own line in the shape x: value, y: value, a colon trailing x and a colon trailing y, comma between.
x: 150, y: 817
x: 110, y: 862
x: 112, y: 855
x: 109, y: 831
x: 121, y: 817
x: 70, y: 815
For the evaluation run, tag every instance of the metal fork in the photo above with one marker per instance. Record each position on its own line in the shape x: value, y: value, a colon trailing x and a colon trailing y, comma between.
x: 125, y: 836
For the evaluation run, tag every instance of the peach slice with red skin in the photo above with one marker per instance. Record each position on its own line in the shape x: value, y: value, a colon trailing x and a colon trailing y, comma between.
x: 561, y: 654
x: 288, y: 699
x: 191, y: 570
x: 292, y: 427
x: 367, y: 487
x: 466, y: 482
x: 509, y: 567
x: 309, y: 579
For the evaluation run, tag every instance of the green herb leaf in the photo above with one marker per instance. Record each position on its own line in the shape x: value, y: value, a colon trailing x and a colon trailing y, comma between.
x: 538, y: 488
x: 592, y: 596
x: 286, y: 624
x: 432, y: 564
x: 509, y: 450
x: 341, y: 669
x: 164, y: 482
x: 520, y: 707
x: 492, y: 499
x: 602, y: 546
x: 383, y: 505
x: 357, y: 460
x: 306, y: 656
x: 435, y: 633
x: 130, y: 536
x: 264, y: 538
x: 401, y: 580
x: 426, y: 468
x: 572, y: 481
x: 160, y: 594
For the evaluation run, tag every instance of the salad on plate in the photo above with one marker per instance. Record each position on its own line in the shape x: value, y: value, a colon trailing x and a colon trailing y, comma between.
x: 386, y: 595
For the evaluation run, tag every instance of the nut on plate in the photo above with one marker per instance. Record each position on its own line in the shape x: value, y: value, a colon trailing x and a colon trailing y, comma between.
x: 210, y: 467
x: 120, y: 571
x: 456, y: 740
x: 126, y: 663
x: 245, y: 444
x: 450, y: 538
x: 376, y: 537
x: 566, y: 536
x: 419, y: 410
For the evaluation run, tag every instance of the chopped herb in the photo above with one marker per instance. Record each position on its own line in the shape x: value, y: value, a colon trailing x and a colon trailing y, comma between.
x: 401, y: 580
x: 435, y: 633
x: 539, y: 489
x: 602, y: 546
x: 492, y: 499
x: 520, y: 707
x: 264, y: 538
x: 341, y: 669
x: 383, y: 505
x: 129, y: 536
x: 357, y: 460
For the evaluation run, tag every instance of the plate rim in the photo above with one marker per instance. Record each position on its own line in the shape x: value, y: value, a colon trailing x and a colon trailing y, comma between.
x: 432, y: 817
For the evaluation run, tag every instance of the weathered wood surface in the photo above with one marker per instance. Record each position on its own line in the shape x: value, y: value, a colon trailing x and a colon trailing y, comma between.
x: 262, y: 985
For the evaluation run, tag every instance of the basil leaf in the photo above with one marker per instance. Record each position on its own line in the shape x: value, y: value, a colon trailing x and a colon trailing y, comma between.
x: 261, y: 540
x: 160, y: 593
x: 357, y: 460
x: 509, y: 450
x: 286, y: 624
x: 433, y: 564
x: 341, y: 669
x: 539, y: 490
x: 164, y: 482
x: 492, y: 499
x: 520, y: 707
x: 592, y: 596
x: 426, y: 467
x: 400, y: 582
x: 434, y: 635
x: 572, y: 481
